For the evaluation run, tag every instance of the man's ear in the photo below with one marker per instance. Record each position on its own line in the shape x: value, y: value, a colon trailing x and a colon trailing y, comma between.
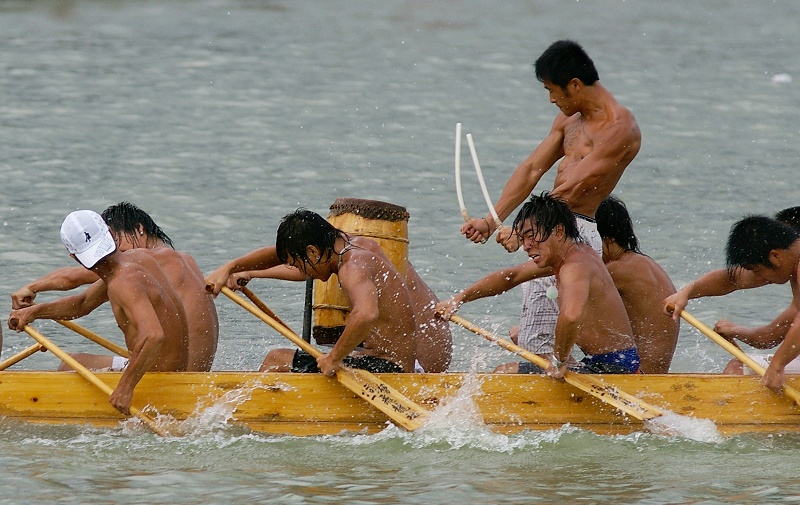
x: 775, y: 258
x: 313, y: 253
x: 575, y: 85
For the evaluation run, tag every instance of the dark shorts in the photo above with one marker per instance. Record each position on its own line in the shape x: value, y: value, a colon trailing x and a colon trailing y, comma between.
x: 625, y: 361
x: 306, y: 363
x: 617, y: 362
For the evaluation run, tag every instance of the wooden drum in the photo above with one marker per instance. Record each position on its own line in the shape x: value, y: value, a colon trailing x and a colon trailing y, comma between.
x: 383, y: 222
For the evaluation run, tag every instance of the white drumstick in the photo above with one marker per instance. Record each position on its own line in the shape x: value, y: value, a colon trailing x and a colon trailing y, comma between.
x: 461, y: 205
x: 497, y: 222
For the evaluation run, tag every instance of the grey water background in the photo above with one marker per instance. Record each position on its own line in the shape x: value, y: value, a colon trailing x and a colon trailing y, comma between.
x: 219, y: 116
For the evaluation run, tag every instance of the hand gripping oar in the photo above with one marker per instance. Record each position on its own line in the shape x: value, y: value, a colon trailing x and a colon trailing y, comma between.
x: 94, y: 337
x: 22, y: 355
x: 397, y: 407
x: 89, y: 376
x: 459, y: 193
x: 736, y: 352
x: 497, y: 222
x: 623, y: 401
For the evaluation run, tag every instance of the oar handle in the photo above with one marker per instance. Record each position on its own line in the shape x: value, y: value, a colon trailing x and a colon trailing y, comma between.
x: 89, y: 376
x: 281, y: 328
x: 505, y: 344
x: 261, y: 305
x: 736, y: 352
x: 21, y: 355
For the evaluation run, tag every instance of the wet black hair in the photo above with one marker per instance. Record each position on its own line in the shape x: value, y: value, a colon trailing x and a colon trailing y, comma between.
x: 125, y: 218
x: 547, y: 212
x: 614, y: 222
x: 753, y: 237
x: 790, y: 216
x: 563, y: 61
x: 301, y: 229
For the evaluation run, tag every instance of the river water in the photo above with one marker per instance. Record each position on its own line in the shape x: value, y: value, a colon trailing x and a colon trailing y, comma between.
x: 219, y: 116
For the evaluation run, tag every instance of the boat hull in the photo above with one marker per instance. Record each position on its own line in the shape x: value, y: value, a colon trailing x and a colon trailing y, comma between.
x: 310, y: 404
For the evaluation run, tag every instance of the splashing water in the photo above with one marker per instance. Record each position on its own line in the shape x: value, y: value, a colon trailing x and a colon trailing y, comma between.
x: 693, y: 428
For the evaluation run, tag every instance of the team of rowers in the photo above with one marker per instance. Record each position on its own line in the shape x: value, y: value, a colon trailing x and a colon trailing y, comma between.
x: 586, y: 284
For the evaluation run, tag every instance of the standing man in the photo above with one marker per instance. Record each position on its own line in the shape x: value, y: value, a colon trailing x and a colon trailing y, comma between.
x: 147, y: 309
x: 595, y: 138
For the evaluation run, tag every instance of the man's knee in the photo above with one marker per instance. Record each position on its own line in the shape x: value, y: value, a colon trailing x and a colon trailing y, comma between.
x: 278, y: 360
x: 507, y: 368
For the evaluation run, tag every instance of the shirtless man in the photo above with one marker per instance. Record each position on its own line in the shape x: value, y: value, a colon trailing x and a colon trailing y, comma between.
x: 434, y: 341
x: 641, y: 283
x: 147, y: 309
x: 723, y: 281
x: 595, y: 138
x: 591, y: 313
x: 379, y: 334
x: 133, y: 228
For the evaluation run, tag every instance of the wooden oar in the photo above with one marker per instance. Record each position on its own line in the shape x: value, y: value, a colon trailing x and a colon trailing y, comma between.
x: 397, y: 407
x: 89, y: 376
x: 736, y: 352
x: 94, y: 337
x: 611, y: 395
x: 21, y: 355
x: 261, y: 305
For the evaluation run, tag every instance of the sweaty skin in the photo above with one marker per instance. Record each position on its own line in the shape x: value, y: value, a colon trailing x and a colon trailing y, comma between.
x: 643, y: 285
x: 595, y: 138
x: 147, y: 310
x: 182, y: 273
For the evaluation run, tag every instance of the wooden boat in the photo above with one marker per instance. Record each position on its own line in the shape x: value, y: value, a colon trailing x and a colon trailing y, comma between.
x: 310, y: 404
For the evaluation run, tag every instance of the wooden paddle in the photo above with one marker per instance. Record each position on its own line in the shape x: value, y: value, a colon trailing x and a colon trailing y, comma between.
x: 736, y: 352
x: 89, y: 376
x: 261, y: 305
x: 623, y: 401
x: 94, y: 337
x: 22, y: 355
x: 397, y: 407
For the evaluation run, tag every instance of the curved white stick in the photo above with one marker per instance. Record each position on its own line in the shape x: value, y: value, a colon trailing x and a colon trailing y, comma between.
x: 461, y: 205
x: 497, y: 222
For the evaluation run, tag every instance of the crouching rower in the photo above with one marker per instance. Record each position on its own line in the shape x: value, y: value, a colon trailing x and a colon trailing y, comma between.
x: 380, y: 332
x: 591, y: 313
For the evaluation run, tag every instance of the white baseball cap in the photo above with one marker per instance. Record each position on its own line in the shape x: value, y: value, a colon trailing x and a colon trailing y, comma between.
x: 87, y: 236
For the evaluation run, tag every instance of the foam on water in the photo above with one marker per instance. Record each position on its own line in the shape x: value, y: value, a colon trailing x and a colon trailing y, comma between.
x: 693, y: 428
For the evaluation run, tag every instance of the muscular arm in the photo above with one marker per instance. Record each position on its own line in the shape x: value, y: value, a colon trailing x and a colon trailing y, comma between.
x: 775, y: 377
x: 149, y: 338
x: 364, y: 312
x: 259, y: 259
x: 522, y: 181
x: 596, y: 175
x: 63, y: 279
x: 65, y: 308
x: 714, y: 283
x: 761, y: 337
x: 493, y: 284
x: 573, y: 298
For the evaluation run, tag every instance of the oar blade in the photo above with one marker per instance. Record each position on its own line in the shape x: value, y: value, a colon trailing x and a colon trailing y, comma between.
x: 621, y: 400
x: 383, y: 397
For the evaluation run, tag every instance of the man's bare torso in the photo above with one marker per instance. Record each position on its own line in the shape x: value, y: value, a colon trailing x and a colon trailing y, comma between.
x: 184, y: 275
x: 138, y: 274
x: 393, y: 335
x: 579, y: 139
